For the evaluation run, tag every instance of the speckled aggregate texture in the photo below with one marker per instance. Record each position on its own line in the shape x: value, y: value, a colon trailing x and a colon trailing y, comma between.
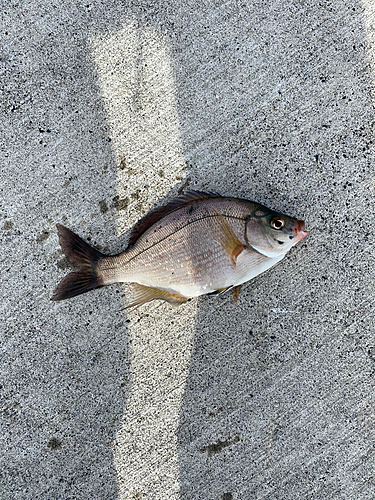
x: 110, y: 108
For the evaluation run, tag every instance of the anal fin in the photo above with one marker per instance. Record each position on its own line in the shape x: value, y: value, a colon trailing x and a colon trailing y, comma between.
x: 144, y: 294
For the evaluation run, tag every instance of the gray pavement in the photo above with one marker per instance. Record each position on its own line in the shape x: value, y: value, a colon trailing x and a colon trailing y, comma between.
x: 111, y: 108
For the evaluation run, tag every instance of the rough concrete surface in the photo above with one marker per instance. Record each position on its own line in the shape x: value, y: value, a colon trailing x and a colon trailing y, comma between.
x: 110, y: 108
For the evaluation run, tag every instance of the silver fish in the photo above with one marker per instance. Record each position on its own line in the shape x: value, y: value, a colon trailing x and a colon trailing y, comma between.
x: 199, y: 243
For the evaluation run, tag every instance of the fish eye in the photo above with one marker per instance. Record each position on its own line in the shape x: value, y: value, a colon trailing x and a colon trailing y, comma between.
x: 277, y: 223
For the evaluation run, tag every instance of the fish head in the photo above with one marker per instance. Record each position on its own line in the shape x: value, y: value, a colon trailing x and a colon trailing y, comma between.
x: 272, y: 233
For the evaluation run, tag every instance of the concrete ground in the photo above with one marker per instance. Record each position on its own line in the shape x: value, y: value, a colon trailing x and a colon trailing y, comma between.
x: 109, y: 108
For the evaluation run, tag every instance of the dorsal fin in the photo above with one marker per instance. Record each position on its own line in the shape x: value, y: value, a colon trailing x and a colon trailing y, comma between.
x: 158, y: 213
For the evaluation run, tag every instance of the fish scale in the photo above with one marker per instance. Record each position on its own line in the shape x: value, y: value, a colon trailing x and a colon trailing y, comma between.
x: 182, y: 252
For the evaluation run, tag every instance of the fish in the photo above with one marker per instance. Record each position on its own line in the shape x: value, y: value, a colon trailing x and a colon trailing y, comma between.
x: 197, y: 244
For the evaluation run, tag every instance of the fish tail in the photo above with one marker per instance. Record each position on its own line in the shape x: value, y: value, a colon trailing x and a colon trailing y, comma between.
x: 85, y: 259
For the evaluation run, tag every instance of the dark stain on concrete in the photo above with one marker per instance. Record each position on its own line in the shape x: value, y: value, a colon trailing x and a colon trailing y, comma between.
x: 124, y: 166
x: 135, y: 195
x: 54, y: 444
x: 103, y: 206
x: 63, y: 264
x: 10, y: 409
x: 227, y: 496
x: 213, y: 413
x: 213, y: 449
x: 120, y: 203
x: 371, y: 353
x: 182, y: 188
x: 42, y: 237
x: 7, y: 225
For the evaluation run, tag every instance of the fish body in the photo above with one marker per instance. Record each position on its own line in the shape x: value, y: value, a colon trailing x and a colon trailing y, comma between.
x: 197, y: 244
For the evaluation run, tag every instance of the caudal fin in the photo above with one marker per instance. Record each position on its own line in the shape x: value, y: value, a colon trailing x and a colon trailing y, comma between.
x: 84, y: 258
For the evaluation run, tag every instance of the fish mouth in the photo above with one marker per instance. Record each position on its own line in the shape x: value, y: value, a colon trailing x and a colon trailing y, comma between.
x: 299, y: 231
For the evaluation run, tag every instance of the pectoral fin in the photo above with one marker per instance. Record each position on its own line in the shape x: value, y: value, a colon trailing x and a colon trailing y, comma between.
x: 144, y: 294
x: 224, y: 234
